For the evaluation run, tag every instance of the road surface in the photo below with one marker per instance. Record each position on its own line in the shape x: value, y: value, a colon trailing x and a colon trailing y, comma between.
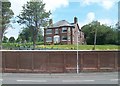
x: 81, y: 78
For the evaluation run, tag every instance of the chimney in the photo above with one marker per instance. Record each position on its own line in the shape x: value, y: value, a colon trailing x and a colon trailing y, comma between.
x: 50, y: 22
x: 75, y: 20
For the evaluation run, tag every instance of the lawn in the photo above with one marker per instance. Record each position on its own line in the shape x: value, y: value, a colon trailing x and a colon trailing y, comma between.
x: 80, y: 47
x: 40, y: 46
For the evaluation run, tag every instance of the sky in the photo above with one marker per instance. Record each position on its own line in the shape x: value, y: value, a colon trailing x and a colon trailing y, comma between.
x: 104, y: 11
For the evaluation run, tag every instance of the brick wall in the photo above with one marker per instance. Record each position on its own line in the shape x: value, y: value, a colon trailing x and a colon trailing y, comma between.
x: 59, y: 61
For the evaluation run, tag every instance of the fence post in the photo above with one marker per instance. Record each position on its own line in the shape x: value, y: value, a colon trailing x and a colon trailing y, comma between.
x: 4, y: 62
x: 64, y: 62
x: 81, y: 66
x: 116, y: 61
x: 32, y: 61
x: 18, y: 59
x: 98, y: 56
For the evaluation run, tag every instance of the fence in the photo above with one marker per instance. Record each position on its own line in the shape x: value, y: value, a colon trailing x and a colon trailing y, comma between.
x: 59, y: 61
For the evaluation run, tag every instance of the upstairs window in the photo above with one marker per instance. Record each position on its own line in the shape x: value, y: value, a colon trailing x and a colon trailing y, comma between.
x: 69, y: 30
x: 49, y: 31
x: 64, y: 30
x: 56, y: 31
x: 48, y: 39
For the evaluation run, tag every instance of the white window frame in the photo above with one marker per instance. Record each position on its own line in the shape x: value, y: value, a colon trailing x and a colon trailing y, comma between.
x: 56, y: 31
x: 50, y: 39
x: 63, y: 29
x: 69, y: 38
x: 69, y: 29
x: 49, y: 31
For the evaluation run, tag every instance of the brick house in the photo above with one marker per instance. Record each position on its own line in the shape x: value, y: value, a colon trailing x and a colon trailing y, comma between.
x: 63, y: 32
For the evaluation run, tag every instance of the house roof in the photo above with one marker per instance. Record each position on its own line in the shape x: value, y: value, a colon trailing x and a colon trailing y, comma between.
x: 62, y: 23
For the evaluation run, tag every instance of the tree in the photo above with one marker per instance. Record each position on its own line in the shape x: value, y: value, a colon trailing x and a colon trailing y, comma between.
x: 40, y: 38
x: 18, y: 40
x: 5, y: 39
x: 105, y: 34
x: 7, y: 14
x: 26, y: 34
x: 11, y: 39
x: 34, y: 16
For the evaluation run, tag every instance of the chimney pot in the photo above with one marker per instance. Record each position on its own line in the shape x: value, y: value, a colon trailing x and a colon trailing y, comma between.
x: 75, y: 20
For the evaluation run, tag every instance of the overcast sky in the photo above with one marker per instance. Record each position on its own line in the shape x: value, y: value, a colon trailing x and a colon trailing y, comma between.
x: 105, y: 11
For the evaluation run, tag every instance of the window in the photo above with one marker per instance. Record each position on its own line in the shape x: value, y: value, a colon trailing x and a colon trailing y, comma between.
x: 56, y: 31
x: 69, y: 30
x: 64, y: 38
x: 49, y: 39
x: 49, y: 31
x: 69, y: 38
x: 64, y: 30
x: 73, y: 38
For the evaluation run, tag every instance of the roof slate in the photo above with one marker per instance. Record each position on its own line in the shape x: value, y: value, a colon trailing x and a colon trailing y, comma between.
x: 62, y: 23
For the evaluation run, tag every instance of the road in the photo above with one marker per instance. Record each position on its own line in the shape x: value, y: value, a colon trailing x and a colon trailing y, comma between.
x: 81, y: 78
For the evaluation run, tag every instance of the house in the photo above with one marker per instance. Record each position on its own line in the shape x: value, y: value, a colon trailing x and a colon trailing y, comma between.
x: 63, y: 32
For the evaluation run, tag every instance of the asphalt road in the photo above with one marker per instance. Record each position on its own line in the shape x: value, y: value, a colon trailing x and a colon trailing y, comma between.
x: 81, y: 78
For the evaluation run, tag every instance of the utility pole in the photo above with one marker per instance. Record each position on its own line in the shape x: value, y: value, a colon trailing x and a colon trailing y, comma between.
x: 95, y: 39
x: 77, y: 55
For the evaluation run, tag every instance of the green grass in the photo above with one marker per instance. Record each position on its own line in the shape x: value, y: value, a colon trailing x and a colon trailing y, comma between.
x: 39, y: 45
x: 80, y: 47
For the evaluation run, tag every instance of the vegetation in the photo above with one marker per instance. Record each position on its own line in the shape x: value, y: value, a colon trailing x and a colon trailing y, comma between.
x: 7, y: 14
x: 105, y: 34
x: 19, y: 46
x: 5, y: 39
x: 12, y: 40
x: 34, y: 16
x: 40, y: 46
x: 26, y: 35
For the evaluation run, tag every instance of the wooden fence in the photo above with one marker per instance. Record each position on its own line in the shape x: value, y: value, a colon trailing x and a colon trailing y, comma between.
x: 59, y: 61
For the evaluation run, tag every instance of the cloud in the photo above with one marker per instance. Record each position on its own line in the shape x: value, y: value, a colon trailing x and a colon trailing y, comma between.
x: 16, y: 5
x: 108, y: 22
x: 90, y: 16
x: 106, y: 4
x: 52, y: 5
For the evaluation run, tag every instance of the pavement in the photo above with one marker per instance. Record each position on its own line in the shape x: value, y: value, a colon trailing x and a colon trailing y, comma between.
x: 66, y: 78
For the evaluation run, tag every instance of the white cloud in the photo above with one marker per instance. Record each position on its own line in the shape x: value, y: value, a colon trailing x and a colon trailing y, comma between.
x: 54, y: 4
x: 16, y: 5
x: 90, y: 16
x: 107, y: 4
x: 108, y: 22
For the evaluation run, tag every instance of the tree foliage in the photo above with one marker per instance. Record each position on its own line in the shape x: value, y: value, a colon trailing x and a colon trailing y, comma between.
x: 105, y: 34
x: 26, y: 35
x: 5, y: 39
x: 7, y: 14
x: 34, y: 16
x: 12, y: 40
